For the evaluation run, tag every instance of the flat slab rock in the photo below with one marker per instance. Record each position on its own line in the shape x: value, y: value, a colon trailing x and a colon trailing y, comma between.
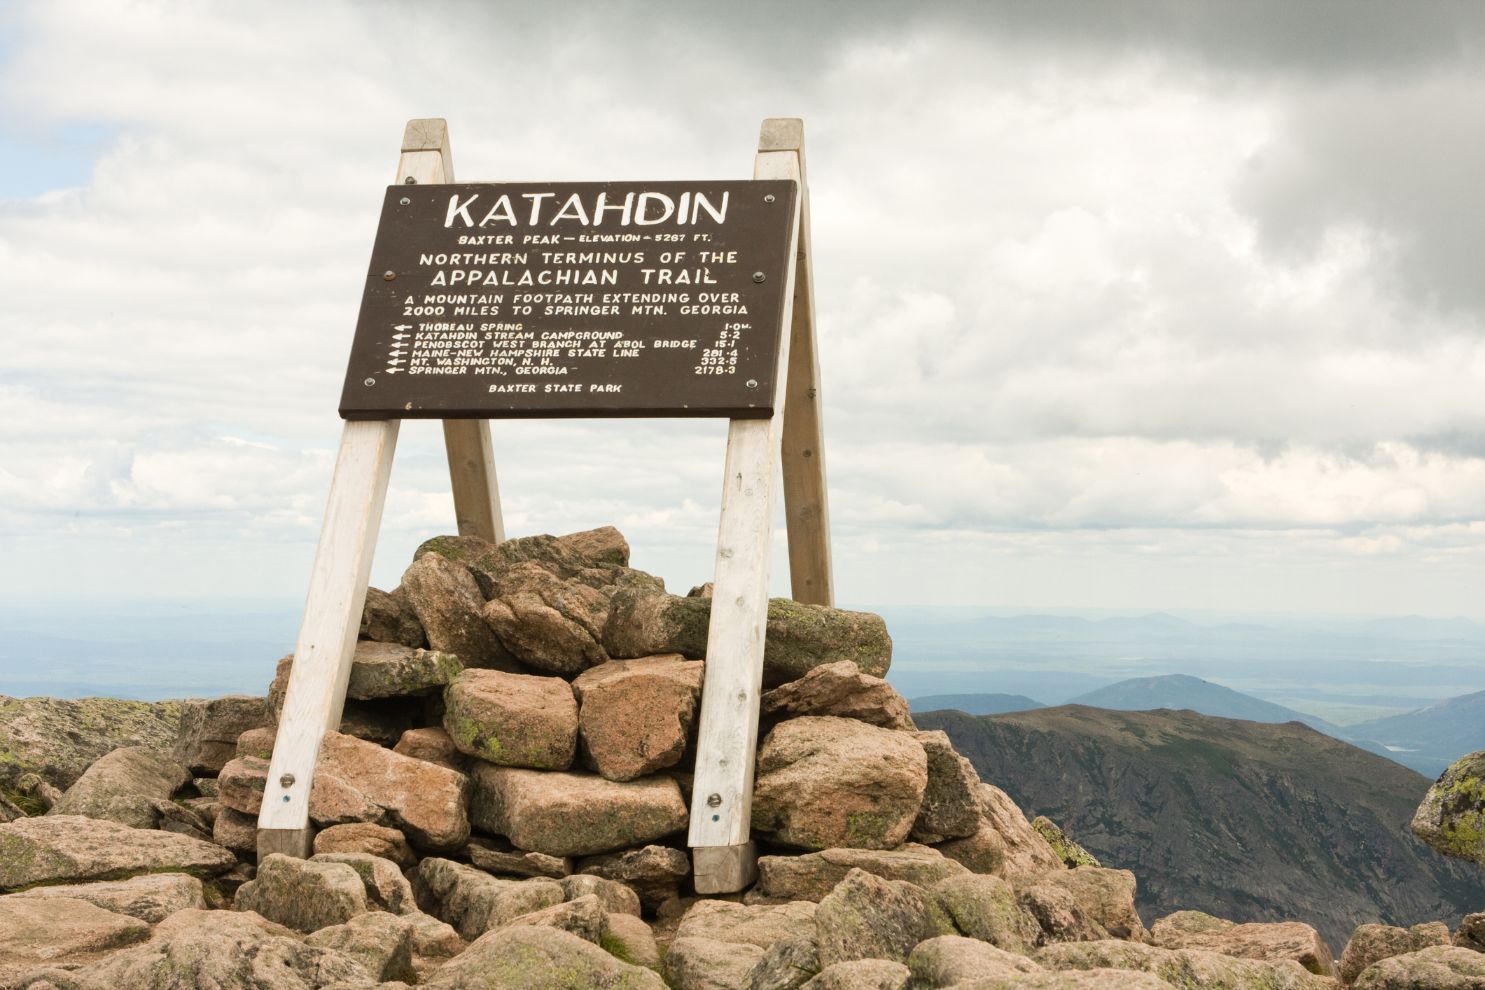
x: 1279, y: 940
x: 70, y: 849
x: 811, y: 876
x: 574, y: 814
x: 152, y: 897
x: 131, y: 786
x: 36, y: 933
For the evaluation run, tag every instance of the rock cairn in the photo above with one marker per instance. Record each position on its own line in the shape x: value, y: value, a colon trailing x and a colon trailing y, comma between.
x: 505, y: 806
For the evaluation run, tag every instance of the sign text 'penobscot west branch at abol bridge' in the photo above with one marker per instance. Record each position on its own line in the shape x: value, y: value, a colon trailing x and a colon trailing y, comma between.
x: 573, y: 299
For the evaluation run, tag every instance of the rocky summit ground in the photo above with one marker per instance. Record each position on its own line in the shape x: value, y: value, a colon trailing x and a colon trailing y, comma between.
x: 505, y: 805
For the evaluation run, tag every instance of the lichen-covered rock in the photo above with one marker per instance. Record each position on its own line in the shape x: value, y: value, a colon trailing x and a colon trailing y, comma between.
x: 1061, y: 917
x: 813, y: 875
x: 760, y: 925
x: 862, y: 974
x: 388, y: 617
x: 951, y: 807
x: 1372, y: 943
x: 209, y: 729
x: 504, y: 859
x: 866, y: 917
x: 1438, y: 968
x: 827, y: 782
x: 626, y: 937
x: 653, y: 872
x: 36, y: 933
x: 381, y: 942
x: 151, y: 898
x: 1071, y: 854
x: 1451, y: 817
x: 840, y: 689
x: 131, y: 786
x: 788, y: 964
x: 636, y: 715
x: 303, y: 895
x: 949, y: 960
x: 220, y: 950
x: 615, y: 897
x: 547, y: 621
x: 1280, y: 940
x: 391, y: 670
x: 72, y: 849
x: 1107, y: 896
x: 512, y: 720
x: 57, y: 740
x: 386, y: 888
x: 695, y: 963
x: 985, y: 907
x: 1005, y: 844
x: 380, y: 720
x: 1185, y: 969
x: 235, y: 830
x: 475, y: 902
x: 539, y: 958
x: 574, y: 814
x: 448, y: 602
x: 366, y: 837
x: 1471, y: 932
x: 582, y: 917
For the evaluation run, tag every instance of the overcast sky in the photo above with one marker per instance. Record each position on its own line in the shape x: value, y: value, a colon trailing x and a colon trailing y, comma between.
x: 1120, y: 305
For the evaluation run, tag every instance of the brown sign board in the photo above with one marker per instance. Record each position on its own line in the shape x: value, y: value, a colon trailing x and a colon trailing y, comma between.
x: 518, y: 300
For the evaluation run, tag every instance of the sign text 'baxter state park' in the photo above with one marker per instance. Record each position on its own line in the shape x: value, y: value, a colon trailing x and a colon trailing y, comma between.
x: 573, y: 299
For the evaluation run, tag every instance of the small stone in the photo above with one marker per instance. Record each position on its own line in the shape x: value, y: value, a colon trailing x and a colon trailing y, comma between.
x: 381, y: 942
x: 235, y: 831
x: 151, y: 898
x: 388, y: 617
x: 1438, y: 968
x: 209, y: 730
x: 242, y: 783
x: 303, y: 895
x: 1061, y: 917
x: 71, y: 849
x: 432, y: 745
x: 948, y: 960
x: 1281, y: 940
x: 448, y: 602
x: 390, y: 670
x: 628, y: 938
x: 1372, y: 943
x: 636, y: 715
x: 824, y: 782
x: 811, y: 876
x: 615, y: 897
x: 760, y: 925
x: 130, y: 786
x: 539, y: 958
x: 1471, y: 932
x: 547, y: 621
x: 506, y: 860
x: 475, y: 902
x: 1107, y: 896
x: 707, y: 964
x: 513, y: 720
x: 840, y: 689
x: 368, y: 838
x: 574, y: 814
x: 653, y: 872
x: 866, y: 917
x: 862, y: 974
x: 582, y: 917
x: 256, y: 743
x: 1187, y: 969
x: 788, y: 964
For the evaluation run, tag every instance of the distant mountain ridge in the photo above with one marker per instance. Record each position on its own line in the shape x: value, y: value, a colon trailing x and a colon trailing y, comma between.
x: 1430, y: 738
x: 975, y: 704
x: 1245, y: 820
x: 1181, y: 691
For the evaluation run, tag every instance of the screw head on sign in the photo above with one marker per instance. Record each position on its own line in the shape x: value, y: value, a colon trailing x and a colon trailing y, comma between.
x: 714, y: 801
x: 406, y: 201
x: 371, y: 381
x: 769, y: 198
x: 752, y: 383
x: 759, y: 277
x: 409, y: 181
x: 286, y: 781
x: 388, y: 276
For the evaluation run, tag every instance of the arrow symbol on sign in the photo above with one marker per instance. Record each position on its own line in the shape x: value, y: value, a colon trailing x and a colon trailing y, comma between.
x: 393, y: 371
x: 402, y: 326
x: 401, y: 336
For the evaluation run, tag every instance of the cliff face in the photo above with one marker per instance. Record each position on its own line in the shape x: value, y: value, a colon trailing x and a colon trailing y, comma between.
x: 1243, y: 820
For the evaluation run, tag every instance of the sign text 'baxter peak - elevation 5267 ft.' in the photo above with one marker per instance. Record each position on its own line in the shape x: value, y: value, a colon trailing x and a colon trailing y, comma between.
x: 573, y: 299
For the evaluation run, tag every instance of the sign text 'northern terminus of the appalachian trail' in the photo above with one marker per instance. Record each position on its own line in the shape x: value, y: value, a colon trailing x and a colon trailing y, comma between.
x: 573, y: 299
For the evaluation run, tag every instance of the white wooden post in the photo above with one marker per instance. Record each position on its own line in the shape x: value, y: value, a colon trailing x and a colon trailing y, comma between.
x: 806, y: 507
x: 723, y: 857
x: 426, y: 159
x: 327, y: 635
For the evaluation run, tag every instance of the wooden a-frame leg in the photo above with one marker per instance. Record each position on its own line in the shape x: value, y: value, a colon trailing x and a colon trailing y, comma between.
x: 724, y: 860
x: 327, y: 635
